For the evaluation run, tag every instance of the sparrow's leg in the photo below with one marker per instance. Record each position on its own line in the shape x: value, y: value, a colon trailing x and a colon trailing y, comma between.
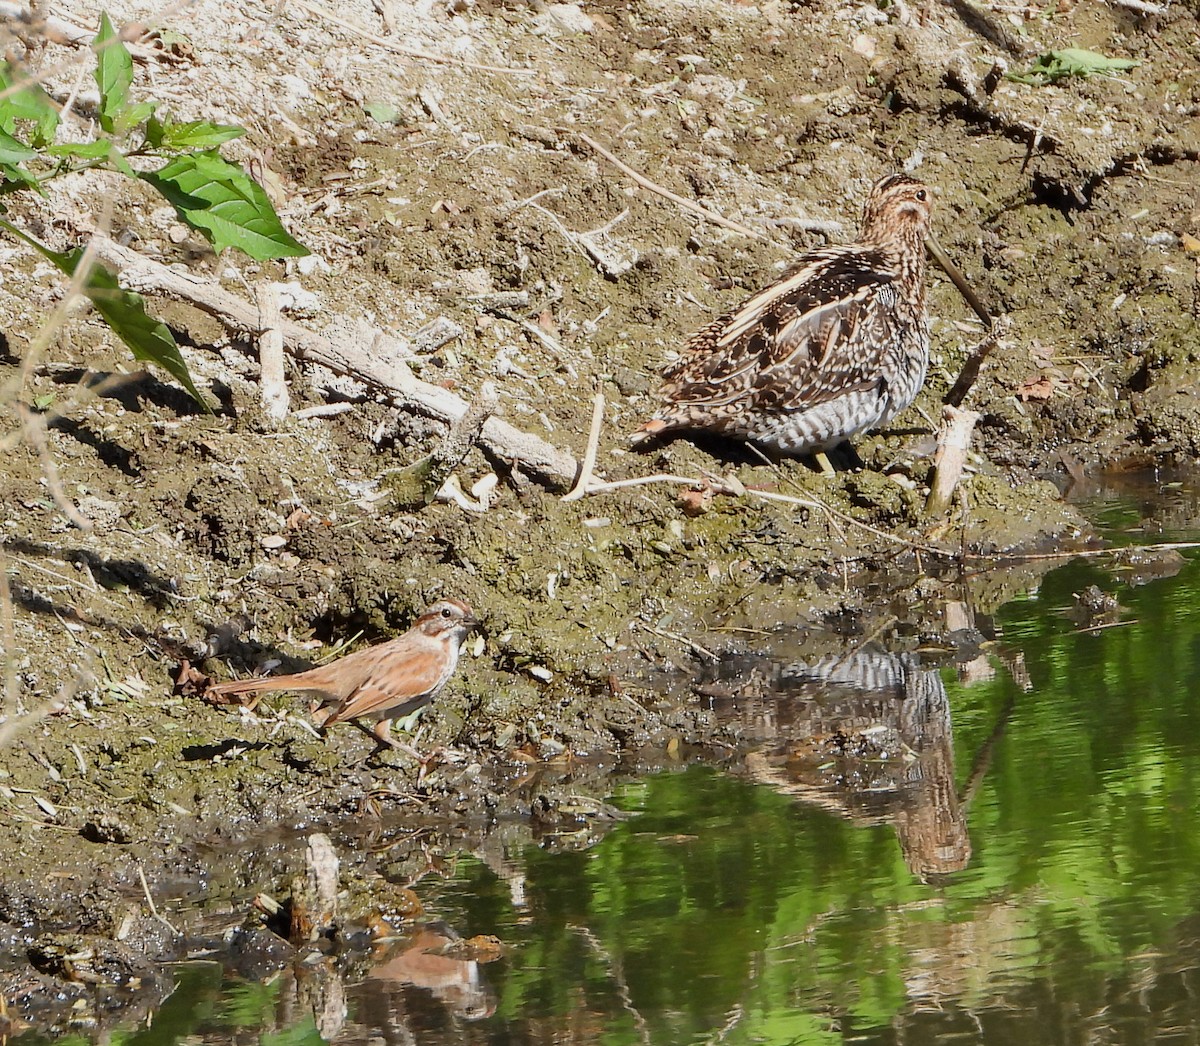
x: 382, y: 732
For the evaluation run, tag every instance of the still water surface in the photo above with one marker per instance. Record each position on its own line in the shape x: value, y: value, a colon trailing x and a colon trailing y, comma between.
x: 1033, y: 877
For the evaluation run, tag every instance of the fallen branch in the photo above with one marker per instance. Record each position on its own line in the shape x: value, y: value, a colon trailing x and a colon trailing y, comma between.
x: 1141, y: 7
x: 272, y: 380
x: 379, y: 364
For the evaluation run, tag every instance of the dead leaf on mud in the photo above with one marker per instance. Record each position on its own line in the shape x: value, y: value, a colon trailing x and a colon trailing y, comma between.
x: 190, y: 681
x: 297, y: 518
x: 1041, y: 387
x: 696, y: 502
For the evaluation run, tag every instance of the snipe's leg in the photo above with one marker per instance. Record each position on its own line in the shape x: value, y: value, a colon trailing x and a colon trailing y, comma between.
x: 842, y: 458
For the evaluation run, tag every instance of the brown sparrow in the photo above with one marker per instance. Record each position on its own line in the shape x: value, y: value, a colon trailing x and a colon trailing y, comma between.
x: 388, y: 681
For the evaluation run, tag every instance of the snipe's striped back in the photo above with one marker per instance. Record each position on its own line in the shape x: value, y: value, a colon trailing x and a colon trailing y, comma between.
x: 837, y: 346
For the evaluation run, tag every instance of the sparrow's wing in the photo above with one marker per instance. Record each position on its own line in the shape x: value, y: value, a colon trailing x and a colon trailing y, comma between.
x: 336, y: 680
x: 393, y: 678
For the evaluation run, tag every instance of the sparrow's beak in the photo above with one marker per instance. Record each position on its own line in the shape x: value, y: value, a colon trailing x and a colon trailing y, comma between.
x: 470, y: 621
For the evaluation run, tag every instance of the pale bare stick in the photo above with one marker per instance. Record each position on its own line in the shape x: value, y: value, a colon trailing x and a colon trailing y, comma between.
x: 953, y: 442
x: 408, y: 52
x: 150, y: 901
x: 589, y: 455
x: 682, y: 201
x: 645, y: 481
x: 691, y: 644
x: 1142, y: 7
x: 272, y: 382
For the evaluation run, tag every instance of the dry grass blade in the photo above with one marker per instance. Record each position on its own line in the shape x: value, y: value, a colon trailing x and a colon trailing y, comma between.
x: 150, y: 902
x: 682, y: 201
x: 35, y: 432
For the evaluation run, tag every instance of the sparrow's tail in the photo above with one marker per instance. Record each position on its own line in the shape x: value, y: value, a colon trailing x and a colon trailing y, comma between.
x: 255, y: 685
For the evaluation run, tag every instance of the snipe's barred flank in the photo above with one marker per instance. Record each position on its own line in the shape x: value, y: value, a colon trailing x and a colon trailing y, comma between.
x: 837, y: 346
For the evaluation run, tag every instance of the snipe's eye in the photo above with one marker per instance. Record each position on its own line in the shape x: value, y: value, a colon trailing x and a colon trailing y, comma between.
x: 922, y: 195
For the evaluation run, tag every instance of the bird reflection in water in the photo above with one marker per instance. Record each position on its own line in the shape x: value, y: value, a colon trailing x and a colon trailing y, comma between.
x: 425, y: 980
x: 867, y: 735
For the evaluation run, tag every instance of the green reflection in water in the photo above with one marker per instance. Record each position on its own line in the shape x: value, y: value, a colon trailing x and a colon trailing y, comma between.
x: 726, y: 904
x: 727, y: 911
x: 204, y: 1008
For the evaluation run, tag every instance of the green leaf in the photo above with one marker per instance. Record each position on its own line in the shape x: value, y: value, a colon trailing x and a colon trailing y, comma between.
x: 197, y: 134
x: 12, y: 151
x: 124, y: 311
x: 27, y: 102
x: 118, y: 161
x: 1071, y: 61
x: 134, y: 115
x: 99, y: 150
x: 382, y: 112
x: 225, y: 204
x: 114, y: 74
x: 104, y: 149
x: 17, y: 177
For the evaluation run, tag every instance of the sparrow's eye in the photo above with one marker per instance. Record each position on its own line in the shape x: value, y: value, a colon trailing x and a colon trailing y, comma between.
x: 445, y: 611
x: 922, y: 195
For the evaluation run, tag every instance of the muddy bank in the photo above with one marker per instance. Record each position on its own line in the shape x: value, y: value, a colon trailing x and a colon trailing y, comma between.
x: 473, y: 207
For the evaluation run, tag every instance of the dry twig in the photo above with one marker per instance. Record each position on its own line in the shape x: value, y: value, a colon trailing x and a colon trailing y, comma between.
x: 589, y: 455
x: 954, y: 439
x: 150, y: 901
x: 273, y: 386
x: 682, y: 201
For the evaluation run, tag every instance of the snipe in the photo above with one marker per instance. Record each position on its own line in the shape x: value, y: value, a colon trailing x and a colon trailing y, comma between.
x: 837, y: 346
